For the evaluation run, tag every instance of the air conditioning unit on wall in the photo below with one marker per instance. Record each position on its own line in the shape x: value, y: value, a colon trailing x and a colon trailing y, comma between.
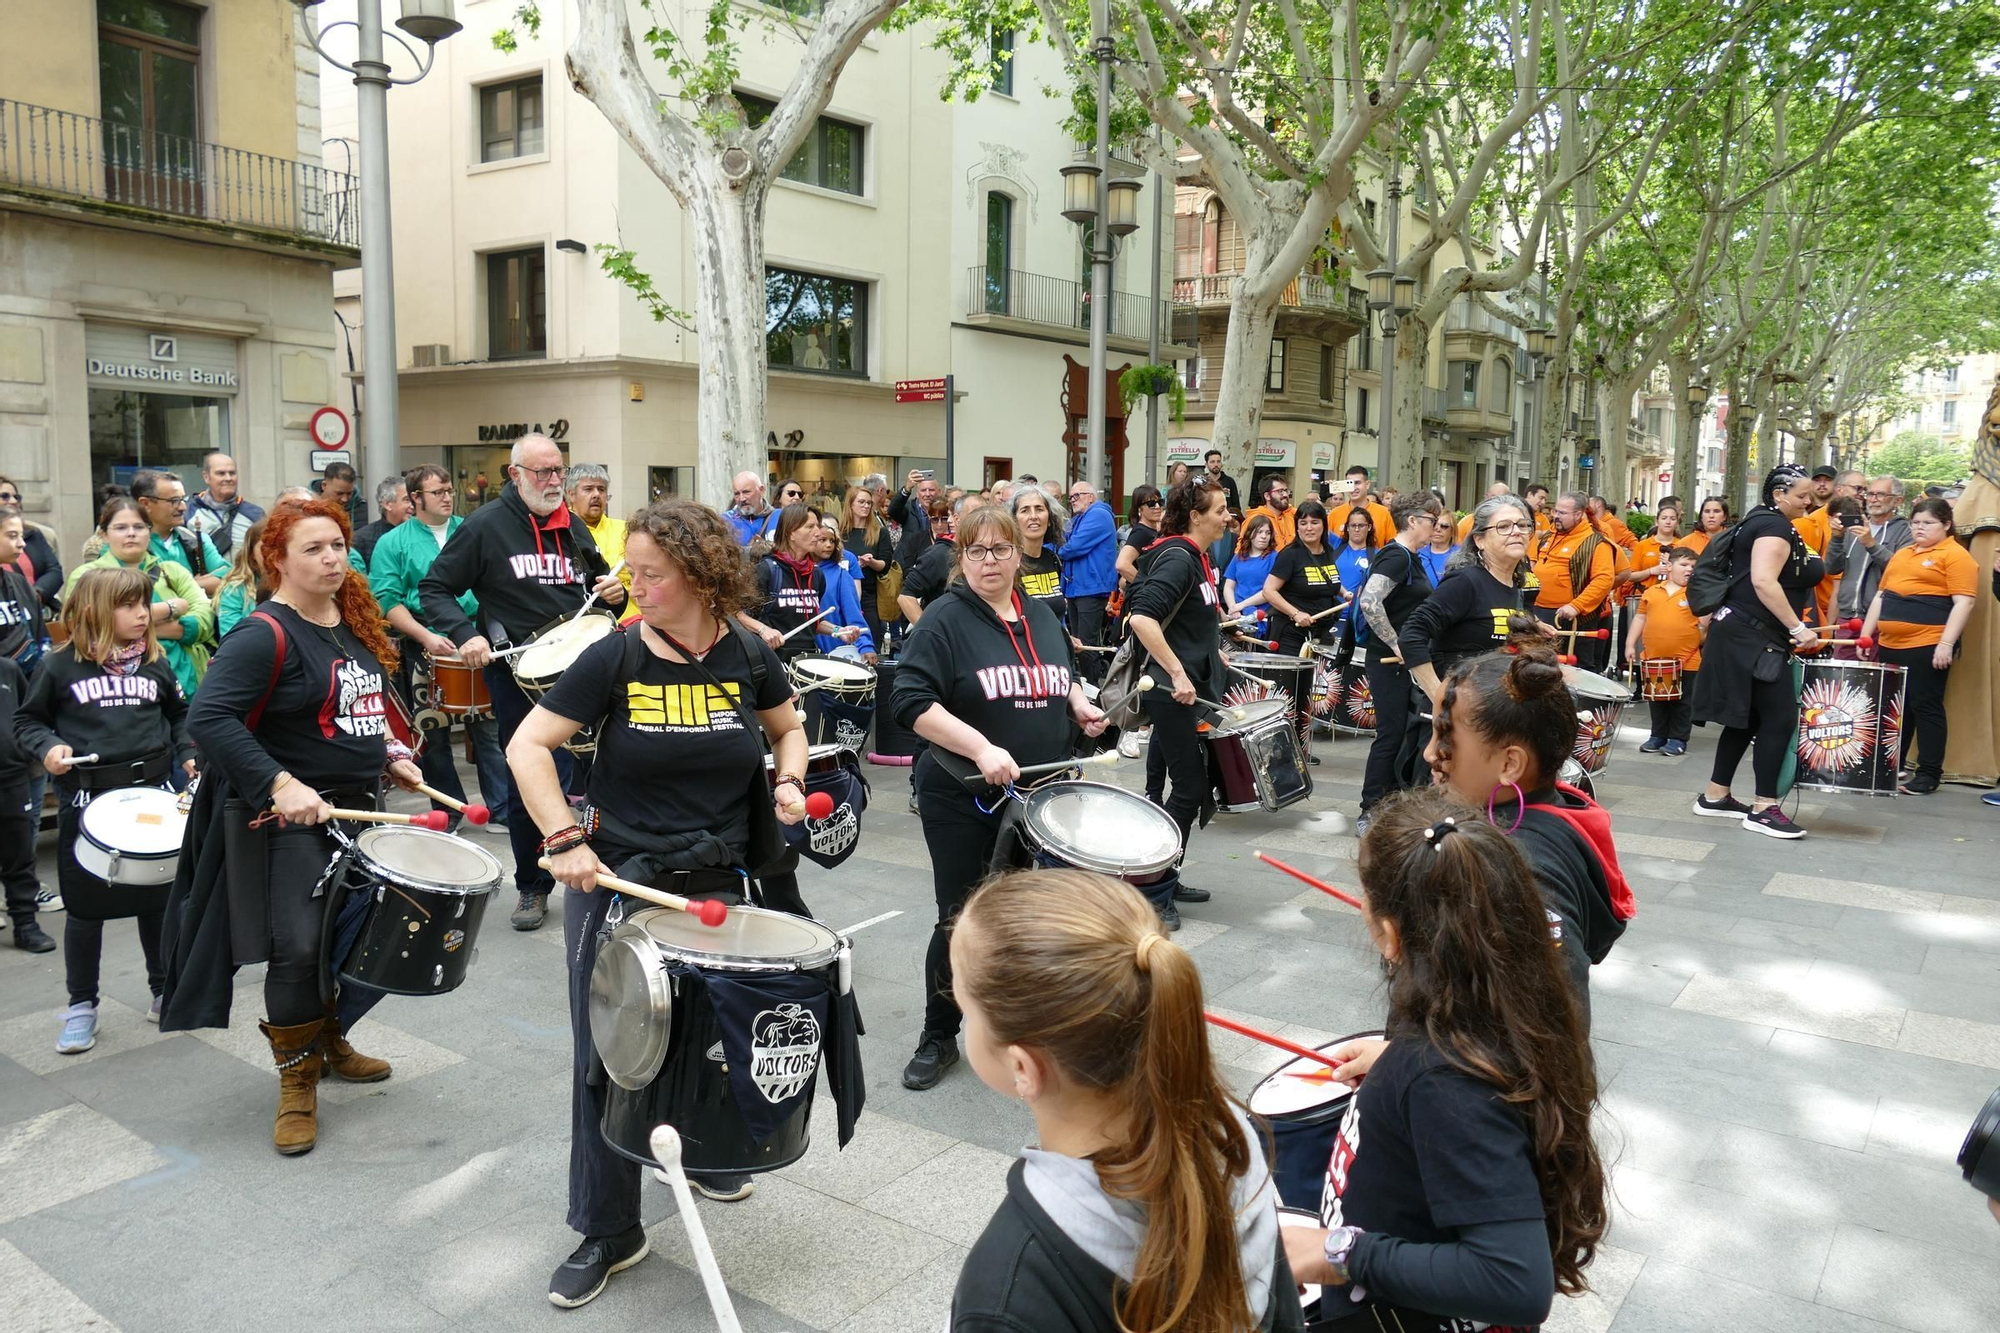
x: 430, y: 354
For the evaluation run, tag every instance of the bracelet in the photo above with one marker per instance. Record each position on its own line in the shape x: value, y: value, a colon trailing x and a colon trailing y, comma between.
x: 563, y: 839
x: 278, y: 782
x: 783, y: 778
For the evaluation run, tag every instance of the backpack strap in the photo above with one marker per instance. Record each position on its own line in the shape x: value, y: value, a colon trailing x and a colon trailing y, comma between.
x: 256, y: 714
x: 190, y: 541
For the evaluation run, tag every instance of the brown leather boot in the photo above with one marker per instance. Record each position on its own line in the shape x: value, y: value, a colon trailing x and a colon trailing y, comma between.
x: 343, y: 1061
x: 296, y: 1050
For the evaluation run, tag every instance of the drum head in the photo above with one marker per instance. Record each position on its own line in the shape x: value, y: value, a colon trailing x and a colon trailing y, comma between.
x: 555, y: 649
x: 1250, y: 715
x: 837, y: 670
x: 1269, y: 661
x: 426, y: 859
x: 631, y: 1007
x: 750, y: 939
x: 1592, y: 689
x: 1300, y: 1090
x: 140, y: 821
x: 1095, y: 826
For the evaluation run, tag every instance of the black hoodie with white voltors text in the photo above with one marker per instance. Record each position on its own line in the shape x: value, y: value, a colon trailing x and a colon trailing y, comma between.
x: 525, y: 571
x: 1009, y: 681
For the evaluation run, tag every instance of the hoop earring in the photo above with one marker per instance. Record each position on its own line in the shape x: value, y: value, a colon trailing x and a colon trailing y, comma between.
x: 1520, y: 807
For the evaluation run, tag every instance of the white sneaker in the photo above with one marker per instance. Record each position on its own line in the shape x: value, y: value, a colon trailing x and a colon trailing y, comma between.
x: 79, y: 1030
x: 1128, y: 745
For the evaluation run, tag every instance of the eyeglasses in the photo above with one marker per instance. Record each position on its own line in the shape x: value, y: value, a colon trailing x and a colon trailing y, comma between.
x: 979, y: 555
x: 175, y: 500
x: 434, y: 491
x: 542, y: 474
x: 1508, y: 529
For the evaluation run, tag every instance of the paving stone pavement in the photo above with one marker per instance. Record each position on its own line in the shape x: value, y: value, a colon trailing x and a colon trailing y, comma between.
x: 1792, y: 1040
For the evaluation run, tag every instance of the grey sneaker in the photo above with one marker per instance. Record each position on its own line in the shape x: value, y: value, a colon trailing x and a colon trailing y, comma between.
x: 153, y: 1011
x: 531, y: 911
x: 79, y: 1030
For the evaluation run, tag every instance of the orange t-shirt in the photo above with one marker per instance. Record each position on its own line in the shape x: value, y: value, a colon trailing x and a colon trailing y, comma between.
x: 1286, y: 524
x: 1615, y: 531
x: 1696, y: 541
x: 1917, y: 589
x: 1816, y: 528
x: 1671, y: 629
x: 1336, y: 524
x: 1645, y: 555
x: 1465, y: 527
x: 1553, y: 572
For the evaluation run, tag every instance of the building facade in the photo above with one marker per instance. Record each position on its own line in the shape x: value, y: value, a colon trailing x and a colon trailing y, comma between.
x: 168, y: 235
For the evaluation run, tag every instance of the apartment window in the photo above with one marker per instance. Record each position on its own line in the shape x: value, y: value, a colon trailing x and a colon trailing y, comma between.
x: 999, y: 251
x: 517, y: 305
x: 1951, y: 374
x: 1361, y: 409
x: 1361, y: 352
x: 1368, y: 206
x: 149, y: 96
x: 1950, y: 411
x: 815, y: 323
x: 1191, y: 374
x: 1211, y: 238
x: 1503, y: 385
x: 1656, y: 418
x: 1462, y: 380
x: 511, y: 120
x: 1274, y: 375
x: 1326, y: 372
x: 1000, y: 55
x: 831, y: 155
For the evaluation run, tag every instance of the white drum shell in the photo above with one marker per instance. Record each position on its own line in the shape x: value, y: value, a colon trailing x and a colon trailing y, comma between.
x: 114, y: 844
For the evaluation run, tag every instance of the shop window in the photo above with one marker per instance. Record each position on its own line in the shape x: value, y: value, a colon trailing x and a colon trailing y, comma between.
x: 1000, y: 56
x: 831, y: 155
x: 511, y: 120
x: 517, y: 305
x: 815, y: 323
x: 130, y: 430
x: 149, y: 98
x: 1274, y: 374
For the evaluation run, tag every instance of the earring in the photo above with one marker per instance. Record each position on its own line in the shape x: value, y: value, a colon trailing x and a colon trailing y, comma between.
x: 1520, y: 807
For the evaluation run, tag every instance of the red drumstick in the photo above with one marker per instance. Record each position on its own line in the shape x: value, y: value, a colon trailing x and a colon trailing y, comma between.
x: 1258, y: 1034
x: 472, y: 810
x: 1319, y: 884
x: 436, y: 820
x: 1574, y: 634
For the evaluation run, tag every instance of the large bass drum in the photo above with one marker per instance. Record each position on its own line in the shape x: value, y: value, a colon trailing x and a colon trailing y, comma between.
x: 428, y: 893
x: 718, y: 1032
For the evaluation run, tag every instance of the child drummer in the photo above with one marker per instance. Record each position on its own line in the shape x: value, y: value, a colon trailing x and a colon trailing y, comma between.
x: 1667, y: 629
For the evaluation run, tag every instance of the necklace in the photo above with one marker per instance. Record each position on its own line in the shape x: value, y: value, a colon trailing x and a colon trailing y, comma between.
x: 323, y: 624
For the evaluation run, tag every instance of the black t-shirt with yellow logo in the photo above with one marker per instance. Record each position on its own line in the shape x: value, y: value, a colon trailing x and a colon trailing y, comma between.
x: 673, y: 755
x: 1041, y: 579
x: 1467, y: 615
x: 1309, y: 582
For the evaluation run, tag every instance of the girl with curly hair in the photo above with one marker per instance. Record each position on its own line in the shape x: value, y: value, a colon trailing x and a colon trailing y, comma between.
x: 293, y: 716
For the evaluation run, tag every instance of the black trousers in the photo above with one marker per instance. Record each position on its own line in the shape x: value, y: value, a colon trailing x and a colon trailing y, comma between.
x: 299, y: 922
x: 83, y: 935
x: 510, y: 709
x: 1086, y: 621
x: 1391, y: 765
x: 1673, y: 719
x: 1774, y: 714
x: 961, y: 839
x: 1924, y: 726
x: 1185, y: 755
x: 20, y: 814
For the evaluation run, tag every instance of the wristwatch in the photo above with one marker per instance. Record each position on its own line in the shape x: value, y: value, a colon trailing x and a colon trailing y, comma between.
x: 1340, y: 1242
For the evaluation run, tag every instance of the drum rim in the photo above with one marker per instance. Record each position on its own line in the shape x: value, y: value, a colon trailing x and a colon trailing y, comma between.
x: 1300, y: 1059
x: 1248, y: 724
x: 822, y: 956
x: 86, y: 836
x: 1100, y: 865
x: 518, y: 663
x: 851, y: 673
x: 1574, y: 676
x: 1290, y: 660
x: 656, y: 1019
x: 404, y: 879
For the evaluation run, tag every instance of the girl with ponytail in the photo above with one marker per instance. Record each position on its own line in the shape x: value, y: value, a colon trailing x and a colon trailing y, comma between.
x: 1465, y: 1184
x: 1147, y: 1204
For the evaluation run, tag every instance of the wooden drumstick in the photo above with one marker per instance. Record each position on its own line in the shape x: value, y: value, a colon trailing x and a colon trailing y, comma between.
x: 1106, y: 757
x: 1331, y: 610
x: 472, y: 810
x: 435, y: 820
x: 1302, y: 876
x: 707, y: 911
x: 591, y: 600
x: 1574, y: 634
x: 1230, y: 711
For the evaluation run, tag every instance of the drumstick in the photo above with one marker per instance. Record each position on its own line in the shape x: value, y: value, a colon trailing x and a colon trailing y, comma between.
x: 473, y: 811
x: 666, y: 1145
x: 76, y: 759
x: 1322, y: 615
x: 802, y: 625
x: 1230, y: 711
x: 591, y: 600
x: 1258, y: 1034
x: 1268, y: 645
x: 1860, y: 641
x: 1107, y: 757
x: 708, y: 911
x: 435, y: 820
x: 1301, y: 875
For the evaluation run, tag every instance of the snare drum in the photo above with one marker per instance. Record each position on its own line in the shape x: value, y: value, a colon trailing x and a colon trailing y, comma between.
x: 1660, y: 679
x: 686, y: 1036
x: 838, y: 696
x: 456, y: 689
x: 1600, y: 702
x: 1099, y: 827
x: 1303, y: 1107
x: 429, y: 893
x: 1256, y: 759
x: 1850, y: 727
x: 132, y: 836
x: 551, y: 652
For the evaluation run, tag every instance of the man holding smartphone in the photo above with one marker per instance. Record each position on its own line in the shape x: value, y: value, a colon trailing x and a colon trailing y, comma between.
x: 911, y: 507
x: 1861, y: 550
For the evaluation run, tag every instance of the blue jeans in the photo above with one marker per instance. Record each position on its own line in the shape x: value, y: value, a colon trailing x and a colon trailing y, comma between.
x: 440, y: 764
x: 510, y: 709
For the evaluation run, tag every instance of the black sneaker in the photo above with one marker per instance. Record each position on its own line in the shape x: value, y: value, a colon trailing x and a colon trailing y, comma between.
x: 1726, y: 808
x: 31, y: 938
x: 934, y: 1056
x: 581, y: 1276
x: 1170, y: 917
x: 1772, y: 823
x: 529, y: 913
x: 1187, y: 893
x: 1653, y: 745
x: 1920, y: 784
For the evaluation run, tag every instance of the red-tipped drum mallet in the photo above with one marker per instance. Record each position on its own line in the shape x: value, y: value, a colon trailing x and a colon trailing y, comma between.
x: 472, y: 810
x: 1566, y: 659
x: 707, y: 910
x: 819, y: 805
x: 1859, y: 641
x: 1574, y: 634
x: 435, y: 820
x: 1269, y: 1039
x: 1301, y: 875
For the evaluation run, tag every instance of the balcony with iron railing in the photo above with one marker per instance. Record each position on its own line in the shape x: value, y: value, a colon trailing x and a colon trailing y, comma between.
x: 1037, y: 298
x: 1307, y: 292
x: 59, y: 156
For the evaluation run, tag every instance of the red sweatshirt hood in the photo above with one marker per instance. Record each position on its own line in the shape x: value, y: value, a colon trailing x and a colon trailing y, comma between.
x: 1592, y: 823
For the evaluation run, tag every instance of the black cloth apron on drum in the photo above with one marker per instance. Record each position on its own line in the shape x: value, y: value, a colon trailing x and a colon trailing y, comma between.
x: 830, y: 841
x: 774, y: 1027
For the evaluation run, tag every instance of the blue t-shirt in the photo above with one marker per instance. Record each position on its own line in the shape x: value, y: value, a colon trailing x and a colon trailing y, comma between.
x: 1353, y: 567
x: 1433, y: 561
x: 1249, y: 572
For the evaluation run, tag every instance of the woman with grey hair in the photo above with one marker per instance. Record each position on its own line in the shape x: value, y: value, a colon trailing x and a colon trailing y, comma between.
x: 1480, y: 600
x: 1042, y: 521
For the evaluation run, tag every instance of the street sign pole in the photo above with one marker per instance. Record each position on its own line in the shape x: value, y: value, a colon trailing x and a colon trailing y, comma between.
x: 950, y: 407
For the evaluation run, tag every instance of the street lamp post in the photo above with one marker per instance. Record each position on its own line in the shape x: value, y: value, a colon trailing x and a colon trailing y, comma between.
x: 1697, y: 399
x: 430, y: 22
x: 1109, y: 210
x: 1393, y: 296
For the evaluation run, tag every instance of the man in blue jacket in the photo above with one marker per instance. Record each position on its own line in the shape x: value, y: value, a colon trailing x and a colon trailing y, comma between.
x: 1089, y: 570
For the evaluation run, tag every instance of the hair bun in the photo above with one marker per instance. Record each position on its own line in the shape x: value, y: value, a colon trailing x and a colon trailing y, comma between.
x: 1534, y: 673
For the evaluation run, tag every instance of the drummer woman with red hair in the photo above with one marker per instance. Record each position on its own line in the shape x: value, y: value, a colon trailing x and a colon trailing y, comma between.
x: 292, y: 716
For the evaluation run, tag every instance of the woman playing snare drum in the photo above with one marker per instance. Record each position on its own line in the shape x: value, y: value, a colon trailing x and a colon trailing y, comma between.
x: 293, y: 717
x: 677, y: 798
x: 987, y: 675
x: 108, y: 694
